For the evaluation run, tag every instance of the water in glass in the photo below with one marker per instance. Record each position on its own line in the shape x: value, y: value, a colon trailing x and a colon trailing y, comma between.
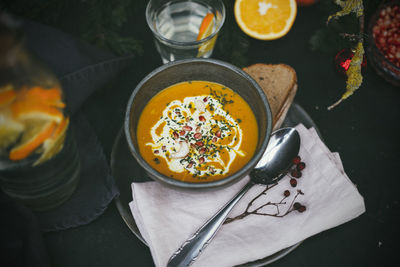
x: 178, y: 25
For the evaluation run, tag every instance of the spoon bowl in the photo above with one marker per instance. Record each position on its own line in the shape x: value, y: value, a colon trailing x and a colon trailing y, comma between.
x: 283, y: 146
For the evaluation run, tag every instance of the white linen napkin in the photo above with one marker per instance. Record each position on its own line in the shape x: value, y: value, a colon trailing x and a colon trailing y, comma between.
x: 166, y: 217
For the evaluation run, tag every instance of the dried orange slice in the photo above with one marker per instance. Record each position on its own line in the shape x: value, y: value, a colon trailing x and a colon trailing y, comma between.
x: 55, y: 143
x: 50, y: 96
x: 7, y: 95
x: 37, y: 132
x: 24, y: 110
x: 265, y: 19
x: 10, y: 130
x: 206, y: 28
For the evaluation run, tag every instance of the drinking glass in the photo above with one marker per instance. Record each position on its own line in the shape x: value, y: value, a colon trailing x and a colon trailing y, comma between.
x: 175, y: 25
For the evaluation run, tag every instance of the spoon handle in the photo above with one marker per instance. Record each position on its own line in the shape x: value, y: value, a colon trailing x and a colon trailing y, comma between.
x: 191, y: 248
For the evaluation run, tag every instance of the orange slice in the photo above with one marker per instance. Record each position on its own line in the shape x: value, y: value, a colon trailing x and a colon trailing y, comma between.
x: 55, y: 143
x: 206, y: 28
x: 51, y: 96
x: 37, y: 132
x: 61, y: 128
x: 10, y: 130
x: 7, y: 95
x: 23, y: 110
x: 265, y: 19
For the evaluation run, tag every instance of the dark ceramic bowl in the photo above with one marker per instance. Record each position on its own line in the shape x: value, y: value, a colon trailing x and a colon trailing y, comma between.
x: 206, y: 70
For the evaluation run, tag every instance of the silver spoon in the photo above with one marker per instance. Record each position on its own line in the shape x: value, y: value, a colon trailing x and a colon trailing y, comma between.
x: 283, y: 146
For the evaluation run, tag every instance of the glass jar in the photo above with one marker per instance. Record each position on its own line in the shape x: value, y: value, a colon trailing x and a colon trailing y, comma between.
x: 39, y: 160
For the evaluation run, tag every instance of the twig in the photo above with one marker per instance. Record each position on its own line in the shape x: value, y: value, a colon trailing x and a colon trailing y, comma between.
x: 247, y: 211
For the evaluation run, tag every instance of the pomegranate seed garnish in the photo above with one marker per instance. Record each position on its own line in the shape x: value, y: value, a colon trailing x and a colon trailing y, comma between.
x: 198, y: 129
x: 199, y: 143
x: 197, y: 135
x: 205, y: 99
x: 202, y: 118
x: 156, y: 151
x: 212, y: 170
x: 187, y: 128
x: 176, y: 135
x: 293, y: 182
x: 201, y: 160
x: 214, y: 139
x: 182, y: 132
x: 218, y: 133
x: 202, y: 151
x: 190, y: 165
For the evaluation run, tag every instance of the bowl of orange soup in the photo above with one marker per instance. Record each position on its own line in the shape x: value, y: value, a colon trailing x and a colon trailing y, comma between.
x: 197, y: 123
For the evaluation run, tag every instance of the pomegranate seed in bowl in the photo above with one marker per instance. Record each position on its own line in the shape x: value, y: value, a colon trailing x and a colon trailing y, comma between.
x: 384, y: 42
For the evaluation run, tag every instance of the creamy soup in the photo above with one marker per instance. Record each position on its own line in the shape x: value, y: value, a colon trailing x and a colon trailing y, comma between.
x: 197, y: 131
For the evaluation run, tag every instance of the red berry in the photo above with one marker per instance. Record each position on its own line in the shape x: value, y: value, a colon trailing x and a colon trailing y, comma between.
x: 293, y: 182
x: 296, y: 160
x: 286, y: 193
x: 301, y: 209
x: 301, y: 166
x: 295, y: 173
x: 296, y: 205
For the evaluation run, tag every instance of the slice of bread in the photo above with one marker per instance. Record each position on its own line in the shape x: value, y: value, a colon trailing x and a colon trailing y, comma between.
x: 279, y: 82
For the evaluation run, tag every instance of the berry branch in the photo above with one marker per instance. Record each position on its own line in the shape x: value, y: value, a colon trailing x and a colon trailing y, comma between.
x: 295, y: 173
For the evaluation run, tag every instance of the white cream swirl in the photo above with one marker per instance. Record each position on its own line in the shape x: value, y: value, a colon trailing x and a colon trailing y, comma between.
x: 192, y: 134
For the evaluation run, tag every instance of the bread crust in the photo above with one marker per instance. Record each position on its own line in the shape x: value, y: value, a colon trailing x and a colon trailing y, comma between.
x: 279, y: 82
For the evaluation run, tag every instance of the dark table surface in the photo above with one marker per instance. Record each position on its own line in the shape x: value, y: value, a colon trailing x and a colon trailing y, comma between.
x: 363, y: 129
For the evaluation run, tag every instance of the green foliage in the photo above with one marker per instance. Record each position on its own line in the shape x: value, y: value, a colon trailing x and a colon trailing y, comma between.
x: 99, y: 22
x: 353, y: 73
x: 105, y: 23
x: 329, y: 38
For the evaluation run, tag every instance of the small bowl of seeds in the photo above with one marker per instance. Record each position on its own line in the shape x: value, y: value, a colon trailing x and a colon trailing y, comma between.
x: 384, y: 41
